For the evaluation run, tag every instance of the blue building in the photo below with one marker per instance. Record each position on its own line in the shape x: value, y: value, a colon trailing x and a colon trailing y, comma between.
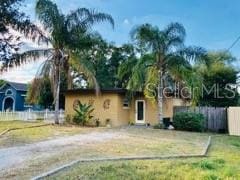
x: 12, y: 96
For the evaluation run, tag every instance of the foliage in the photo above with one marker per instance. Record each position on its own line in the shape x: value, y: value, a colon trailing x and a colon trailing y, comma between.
x: 164, y: 59
x: 189, y: 121
x: 13, y: 18
x: 106, y: 59
x: 220, y: 76
x: 68, y: 35
x: 163, y: 51
x: 2, y: 82
x: 83, y: 114
x: 40, y: 93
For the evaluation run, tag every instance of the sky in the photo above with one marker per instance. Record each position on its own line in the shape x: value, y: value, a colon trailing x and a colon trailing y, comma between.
x: 212, y: 24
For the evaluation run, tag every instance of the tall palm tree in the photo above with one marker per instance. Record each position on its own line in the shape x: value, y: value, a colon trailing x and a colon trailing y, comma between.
x: 164, y: 56
x: 68, y: 35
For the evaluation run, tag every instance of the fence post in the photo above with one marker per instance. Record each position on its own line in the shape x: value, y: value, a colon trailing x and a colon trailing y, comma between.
x: 46, y: 114
x: 61, y: 115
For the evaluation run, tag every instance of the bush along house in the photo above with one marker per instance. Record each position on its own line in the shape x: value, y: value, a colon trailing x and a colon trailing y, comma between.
x: 111, y: 106
x: 12, y: 96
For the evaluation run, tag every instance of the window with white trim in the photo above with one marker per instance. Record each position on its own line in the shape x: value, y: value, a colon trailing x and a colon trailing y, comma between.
x: 126, y: 103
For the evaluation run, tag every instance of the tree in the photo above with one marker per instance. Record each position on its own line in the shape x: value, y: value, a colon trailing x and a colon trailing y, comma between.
x: 68, y: 35
x: 106, y: 59
x: 220, y: 79
x: 163, y: 55
x: 2, y: 82
x: 13, y: 18
x: 107, y: 66
x: 43, y: 96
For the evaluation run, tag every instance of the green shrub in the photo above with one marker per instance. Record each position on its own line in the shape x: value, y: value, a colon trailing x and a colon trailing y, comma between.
x: 189, y: 121
x: 83, y: 114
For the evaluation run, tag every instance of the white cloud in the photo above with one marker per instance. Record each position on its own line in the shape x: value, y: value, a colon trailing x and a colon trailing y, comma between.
x: 24, y: 73
x: 126, y: 21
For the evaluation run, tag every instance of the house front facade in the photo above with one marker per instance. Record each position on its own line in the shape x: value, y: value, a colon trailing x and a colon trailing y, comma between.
x: 112, y: 105
x: 12, y: 96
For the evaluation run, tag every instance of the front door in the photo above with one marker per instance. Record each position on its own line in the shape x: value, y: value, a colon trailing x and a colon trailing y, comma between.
x: 140, y: 111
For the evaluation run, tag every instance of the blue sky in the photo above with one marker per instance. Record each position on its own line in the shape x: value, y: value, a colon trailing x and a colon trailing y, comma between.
x: 212, y: 24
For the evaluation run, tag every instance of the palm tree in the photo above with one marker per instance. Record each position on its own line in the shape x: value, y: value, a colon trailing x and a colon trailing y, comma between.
x: 163, y: 57
x: 68, y: 36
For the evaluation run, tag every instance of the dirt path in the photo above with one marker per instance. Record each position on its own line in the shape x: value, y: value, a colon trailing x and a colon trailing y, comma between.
x: 16, y: 156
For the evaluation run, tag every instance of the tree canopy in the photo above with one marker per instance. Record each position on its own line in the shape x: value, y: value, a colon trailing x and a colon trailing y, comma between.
x: 219, y: 80
x: 13, y: 18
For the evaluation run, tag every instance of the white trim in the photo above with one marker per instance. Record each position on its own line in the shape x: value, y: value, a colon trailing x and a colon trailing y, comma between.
x: 136, y: 112
x: 3, y: 102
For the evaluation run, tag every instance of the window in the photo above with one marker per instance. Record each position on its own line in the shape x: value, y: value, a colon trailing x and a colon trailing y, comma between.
x: 9, y: 92
x: 125, y: 103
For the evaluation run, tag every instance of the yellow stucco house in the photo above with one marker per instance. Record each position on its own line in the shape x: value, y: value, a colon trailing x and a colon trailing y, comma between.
x: 112, y: 105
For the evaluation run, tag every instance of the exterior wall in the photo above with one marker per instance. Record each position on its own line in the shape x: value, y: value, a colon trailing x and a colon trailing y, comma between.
x: 123, y: 113
x: 170, y: 103
x: 17, y: 96
x: 20, y: 100
x: 117, y: 113
x: 151, y: 110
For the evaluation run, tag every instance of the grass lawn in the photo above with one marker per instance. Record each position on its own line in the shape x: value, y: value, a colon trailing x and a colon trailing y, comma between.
x: 30, y: 135
x: 112, y: 143
x: 17, y: 124
x: 223, y: 163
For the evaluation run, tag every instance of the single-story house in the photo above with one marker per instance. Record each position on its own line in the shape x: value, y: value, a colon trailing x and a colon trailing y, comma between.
x: 112, y: 105
x: 12, y: 96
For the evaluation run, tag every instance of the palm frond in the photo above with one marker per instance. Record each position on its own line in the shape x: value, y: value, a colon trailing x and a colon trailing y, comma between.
x: 193, y: 53
x: 27, y: 56
x: 48, y: 14
x: 83, y: 66
x: 175, y: 30
x: 46, y: 68
x: 33, y: 91
x: 152, y: 80
x: 126, y: 67
x: 138, y: 77
x: 146, y: 36
x: 83, y: 18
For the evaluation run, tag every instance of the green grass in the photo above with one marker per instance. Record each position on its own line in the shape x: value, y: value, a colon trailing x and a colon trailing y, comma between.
x: 223, y: 163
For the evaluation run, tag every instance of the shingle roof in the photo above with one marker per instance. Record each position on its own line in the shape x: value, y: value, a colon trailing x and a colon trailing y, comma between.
x: 18, y: 86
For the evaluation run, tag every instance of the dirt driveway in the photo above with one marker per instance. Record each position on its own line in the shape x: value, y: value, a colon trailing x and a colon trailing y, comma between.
x: 15, y: 156
x: 24, y: 162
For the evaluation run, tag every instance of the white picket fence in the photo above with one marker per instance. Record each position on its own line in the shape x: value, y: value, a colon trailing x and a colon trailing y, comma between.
x: 29, y: 115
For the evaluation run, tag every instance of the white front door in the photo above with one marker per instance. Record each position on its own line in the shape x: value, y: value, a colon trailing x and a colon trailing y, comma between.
x: 140, y: 111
